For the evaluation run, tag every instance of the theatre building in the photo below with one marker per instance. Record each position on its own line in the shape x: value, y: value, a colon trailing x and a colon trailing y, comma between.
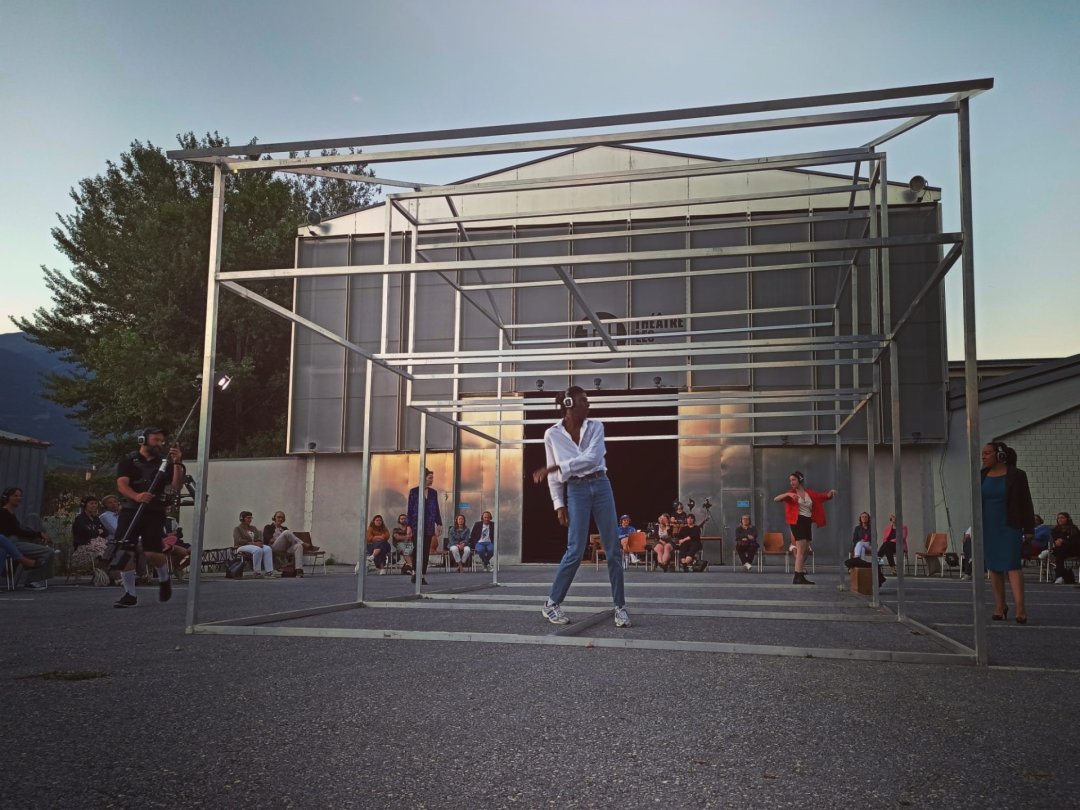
x: 754, y: 276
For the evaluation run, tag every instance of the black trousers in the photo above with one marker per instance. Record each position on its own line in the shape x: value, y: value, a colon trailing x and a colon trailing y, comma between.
x: 888, y: 551
x: 746, y: 551
x: 1062, y: 553
x: 855, y: 562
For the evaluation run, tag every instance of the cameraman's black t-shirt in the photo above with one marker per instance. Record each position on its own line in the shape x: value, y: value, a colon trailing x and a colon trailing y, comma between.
x: 140, y: 475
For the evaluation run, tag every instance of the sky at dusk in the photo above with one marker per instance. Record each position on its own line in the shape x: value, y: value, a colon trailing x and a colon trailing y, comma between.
x: 80, y: 81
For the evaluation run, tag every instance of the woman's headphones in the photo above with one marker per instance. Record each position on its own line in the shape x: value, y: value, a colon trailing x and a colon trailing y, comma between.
x: 5, y: 496
x: 799, y: 476
x: 1001, y: 452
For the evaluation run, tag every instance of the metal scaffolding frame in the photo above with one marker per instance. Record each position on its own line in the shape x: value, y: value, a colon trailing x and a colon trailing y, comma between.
x: 687, y: 351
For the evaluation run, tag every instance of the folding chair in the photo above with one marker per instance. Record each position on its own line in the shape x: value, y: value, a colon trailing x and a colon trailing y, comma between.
x: 772, y: 545
x: 636, y: 544
x: 936, y: 544
x: 312, y: 552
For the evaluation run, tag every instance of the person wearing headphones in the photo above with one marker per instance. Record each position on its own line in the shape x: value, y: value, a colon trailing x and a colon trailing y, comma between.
x: 32, y: 550
x: 144, y: 509
x: 577, y: 479
x: 1008, y: 517
x: 802, y: 509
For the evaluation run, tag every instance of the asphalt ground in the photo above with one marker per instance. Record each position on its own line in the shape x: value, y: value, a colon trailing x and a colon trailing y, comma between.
x: 121, y: 708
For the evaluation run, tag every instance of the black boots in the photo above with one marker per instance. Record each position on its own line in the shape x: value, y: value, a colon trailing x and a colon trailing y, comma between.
x: 800, y: 579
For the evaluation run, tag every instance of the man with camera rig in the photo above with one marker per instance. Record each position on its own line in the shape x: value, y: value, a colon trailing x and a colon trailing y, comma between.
x: 141, y: 479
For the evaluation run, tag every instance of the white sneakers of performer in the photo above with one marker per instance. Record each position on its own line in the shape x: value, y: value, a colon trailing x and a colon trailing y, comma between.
x: 622, y: 618
x: 554, y: 614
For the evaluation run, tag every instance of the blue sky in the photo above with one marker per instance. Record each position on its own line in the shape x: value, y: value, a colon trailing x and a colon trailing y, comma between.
x: 80, y: 81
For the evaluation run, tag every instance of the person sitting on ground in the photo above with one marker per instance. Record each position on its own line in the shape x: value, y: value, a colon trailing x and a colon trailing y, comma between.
x: 665, y: 542
x: 1066, y: 544
x: 1042, y: 539
x: 888, y: 543
x: 625, y: 530
x: 402, y: 541
x: 247, y: 540
x: 35, y: 578
x: 863, y: 557
x: 689, y: 542
x: 458, y: 543
x: 483, y: 540
x: 88, y: 534
x: 378, y: 545
x: 746, y: 544
x: 281, y: 541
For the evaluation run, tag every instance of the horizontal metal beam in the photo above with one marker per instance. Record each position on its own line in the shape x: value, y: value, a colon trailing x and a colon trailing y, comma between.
x: 356, y: 178
x: 608, y: 139
x: 596, y: 258
x: 630, y: 231
x: 706, y: 168
x: 680, y: 114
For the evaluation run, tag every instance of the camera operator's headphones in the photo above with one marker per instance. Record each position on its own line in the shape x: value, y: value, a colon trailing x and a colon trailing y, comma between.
x: 1001, y: 452
x: 144, y: 434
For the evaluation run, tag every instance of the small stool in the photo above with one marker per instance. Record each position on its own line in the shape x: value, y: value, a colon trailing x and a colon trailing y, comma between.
x: 862, y: 581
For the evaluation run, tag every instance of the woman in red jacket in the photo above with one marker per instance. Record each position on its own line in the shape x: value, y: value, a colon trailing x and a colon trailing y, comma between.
x: 803, y: 507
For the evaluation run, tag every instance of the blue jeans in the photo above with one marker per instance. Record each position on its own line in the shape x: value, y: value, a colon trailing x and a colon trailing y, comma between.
x: 591, y: 497
x: 485, y: 551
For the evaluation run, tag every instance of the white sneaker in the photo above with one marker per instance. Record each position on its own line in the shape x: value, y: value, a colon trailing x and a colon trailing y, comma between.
x: 356, y: 568
x: 964, y: 577
x: 1059, y: 581
x: 634, y: 559
x: 554, y: 614
x: 382, y: 572
x: 622, y: 618
x: 1044, y: 554
x: 747, y: 566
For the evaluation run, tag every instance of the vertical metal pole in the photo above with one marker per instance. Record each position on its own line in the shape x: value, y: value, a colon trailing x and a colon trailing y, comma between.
x: 894, y: 393
x: 206, y: 408
x: 971, y: 388
x: 872, y: 419
x: 365, y: 485
x: 421, y: 507
x: 497, y: 510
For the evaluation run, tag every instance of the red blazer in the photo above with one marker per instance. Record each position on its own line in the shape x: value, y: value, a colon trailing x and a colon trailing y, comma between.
x: 817, y: 511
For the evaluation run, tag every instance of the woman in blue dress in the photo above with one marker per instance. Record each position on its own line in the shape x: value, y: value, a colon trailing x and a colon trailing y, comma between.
x: 1008, y: 515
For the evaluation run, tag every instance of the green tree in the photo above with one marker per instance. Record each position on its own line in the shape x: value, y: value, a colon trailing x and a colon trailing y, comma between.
x: 129, y: 314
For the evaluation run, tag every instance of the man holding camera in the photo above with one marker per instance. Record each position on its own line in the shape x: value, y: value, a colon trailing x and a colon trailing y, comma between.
x: 144, y: 510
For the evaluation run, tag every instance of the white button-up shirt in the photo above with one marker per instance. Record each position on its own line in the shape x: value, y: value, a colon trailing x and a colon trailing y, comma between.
x: 573, y: 460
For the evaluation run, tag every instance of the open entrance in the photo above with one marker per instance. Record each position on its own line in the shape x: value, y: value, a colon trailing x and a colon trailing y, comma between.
x: 644, y: 474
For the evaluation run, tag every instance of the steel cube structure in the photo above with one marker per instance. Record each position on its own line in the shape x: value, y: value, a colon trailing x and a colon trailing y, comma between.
x: 865, y: 363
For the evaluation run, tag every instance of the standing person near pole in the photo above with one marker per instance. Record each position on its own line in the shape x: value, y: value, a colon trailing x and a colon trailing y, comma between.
x: 1008, y: 516
x: 802, y: 510
x: 577, y: 478
x: 141, y: 488
x: 432, y: 522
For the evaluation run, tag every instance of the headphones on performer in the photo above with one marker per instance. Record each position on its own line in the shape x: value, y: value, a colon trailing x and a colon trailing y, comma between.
x: 1001, y: 452
x: 5, y: 496
x: 799, y: 476
x: 144, y: 434
x: 565, y: 400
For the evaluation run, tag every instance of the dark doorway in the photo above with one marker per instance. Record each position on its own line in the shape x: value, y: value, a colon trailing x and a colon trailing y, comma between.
x: 644, y: 474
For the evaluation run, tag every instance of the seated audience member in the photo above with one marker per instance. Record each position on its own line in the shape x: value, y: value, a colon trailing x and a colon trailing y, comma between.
x: 888, y: 543
x: 689, y: 537
x: 458, y: 543
x: 403, y: 542
x: 378, y: 545
x: 862, y: 531
x: 281, y: 541
x: 109, y: 515
x: 483, y: 539
x: 88, y: 533
x: 665, y: 542
x: 1066, y: 544
x: 625, y: 530
x: 863, y: 557
x: 10, y: 551
x: 746, y: 544
x: 178, y: 552
x: 33, y: 577
x: 678, y: 517
x: 247, y: 540
x: 1042, y: 539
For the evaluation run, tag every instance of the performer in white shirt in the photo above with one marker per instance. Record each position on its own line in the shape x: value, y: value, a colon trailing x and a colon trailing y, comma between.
x: 577, y: 478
